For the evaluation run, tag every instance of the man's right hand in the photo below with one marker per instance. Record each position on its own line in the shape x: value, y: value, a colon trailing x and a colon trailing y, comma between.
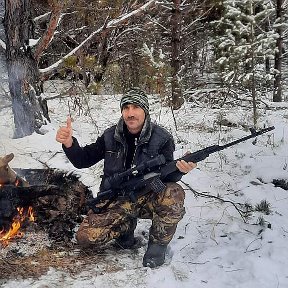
x: 64, y: 134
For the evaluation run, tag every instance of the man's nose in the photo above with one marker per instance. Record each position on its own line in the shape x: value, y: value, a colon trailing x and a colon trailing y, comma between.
x: 130, y: 111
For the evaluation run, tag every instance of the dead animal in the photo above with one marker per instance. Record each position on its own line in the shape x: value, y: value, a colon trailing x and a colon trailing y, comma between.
x: 56, y: 198
x: 8, y: 175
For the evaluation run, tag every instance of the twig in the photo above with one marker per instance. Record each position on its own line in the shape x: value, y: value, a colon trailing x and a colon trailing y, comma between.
x: 6, y: 106
x: 174, y: 119
x: 243, y: 213
x: 259, y: 238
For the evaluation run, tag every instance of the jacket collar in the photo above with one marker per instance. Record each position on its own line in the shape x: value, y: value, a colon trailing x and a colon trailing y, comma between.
x: 145, y: 132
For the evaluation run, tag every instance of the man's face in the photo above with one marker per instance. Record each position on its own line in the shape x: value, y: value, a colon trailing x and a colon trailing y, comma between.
x: 134, y: 117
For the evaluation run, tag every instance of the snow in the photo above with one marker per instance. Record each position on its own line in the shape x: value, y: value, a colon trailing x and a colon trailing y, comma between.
x: 212, y: 246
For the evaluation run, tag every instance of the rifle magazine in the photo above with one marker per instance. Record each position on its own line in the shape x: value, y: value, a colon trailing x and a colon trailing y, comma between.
x: 157, y: 185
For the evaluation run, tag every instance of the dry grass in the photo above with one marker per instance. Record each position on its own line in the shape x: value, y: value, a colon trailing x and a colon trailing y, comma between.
x: 72, y: 261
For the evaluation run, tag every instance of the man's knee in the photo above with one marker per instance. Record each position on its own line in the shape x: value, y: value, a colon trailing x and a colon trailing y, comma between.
x: 173, y: 194
x: 170, y: 203
x: 88, y: 235
x: 98, y: 229
x: 83, y: 239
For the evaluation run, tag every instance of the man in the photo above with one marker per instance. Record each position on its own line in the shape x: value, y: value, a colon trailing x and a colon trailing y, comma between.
x: 132, y: 141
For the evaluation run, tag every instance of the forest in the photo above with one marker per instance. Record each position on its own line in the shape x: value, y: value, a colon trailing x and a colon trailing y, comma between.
x: 211, y: 51
x: 213, y: 70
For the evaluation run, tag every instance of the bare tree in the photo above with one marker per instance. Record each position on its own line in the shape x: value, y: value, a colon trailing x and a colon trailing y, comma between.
x: 23, y: 58
x: 22, y: 67
x: 107, y: 26
x: 176, y: 19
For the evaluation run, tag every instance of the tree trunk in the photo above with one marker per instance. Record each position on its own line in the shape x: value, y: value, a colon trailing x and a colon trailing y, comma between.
x: 104, y: 53
x: 22, y: 68
x: 277, y: 95
x: 253, y: 67
x: 177, y: 98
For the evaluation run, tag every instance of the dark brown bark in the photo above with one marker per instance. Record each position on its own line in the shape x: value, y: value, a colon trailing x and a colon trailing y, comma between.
x: 48, y: 35
x: 22, y: 68
x: 104, y: 53
x: 177, y: 98
x: 277, y: 95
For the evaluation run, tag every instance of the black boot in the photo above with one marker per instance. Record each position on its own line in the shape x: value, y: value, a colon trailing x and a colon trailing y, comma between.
x: 155, y: 255
x: 127, y: 240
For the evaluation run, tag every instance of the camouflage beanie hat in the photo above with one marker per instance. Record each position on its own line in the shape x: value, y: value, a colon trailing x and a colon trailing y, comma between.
x: 137, y: 97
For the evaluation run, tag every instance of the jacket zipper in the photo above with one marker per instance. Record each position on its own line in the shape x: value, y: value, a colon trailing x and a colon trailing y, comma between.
x: 133, y: 158
x: 124, y: 154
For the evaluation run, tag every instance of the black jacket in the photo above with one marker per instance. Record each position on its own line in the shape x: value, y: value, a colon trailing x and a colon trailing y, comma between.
x: 112, y: 147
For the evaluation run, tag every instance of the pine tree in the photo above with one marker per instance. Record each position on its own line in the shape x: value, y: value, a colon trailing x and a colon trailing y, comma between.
x: 243, y: 45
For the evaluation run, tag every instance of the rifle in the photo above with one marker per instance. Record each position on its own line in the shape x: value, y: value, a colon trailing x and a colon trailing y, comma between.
x: 151, y: 174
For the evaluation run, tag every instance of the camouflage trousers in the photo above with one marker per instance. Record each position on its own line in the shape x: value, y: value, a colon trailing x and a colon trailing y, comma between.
x: 164, y: 209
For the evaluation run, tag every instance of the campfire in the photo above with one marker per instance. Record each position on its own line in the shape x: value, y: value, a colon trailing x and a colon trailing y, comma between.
x: 53, y: 200
x: 9, y: 177
x: 23, y: 213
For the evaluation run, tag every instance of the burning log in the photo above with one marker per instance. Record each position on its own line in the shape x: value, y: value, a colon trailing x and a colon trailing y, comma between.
x: 57, y: 200
x: 13, y: 197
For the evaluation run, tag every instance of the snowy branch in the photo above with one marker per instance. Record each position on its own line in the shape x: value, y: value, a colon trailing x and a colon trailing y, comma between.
x: 157, y: 23
x: 200, y: 17
x: 285, y: 4
x: 42, y: 17
x: 2, y: 44
x: 111, y: 24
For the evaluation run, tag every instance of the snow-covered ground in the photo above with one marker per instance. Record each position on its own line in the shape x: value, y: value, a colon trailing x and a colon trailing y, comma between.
x: 212, y: 247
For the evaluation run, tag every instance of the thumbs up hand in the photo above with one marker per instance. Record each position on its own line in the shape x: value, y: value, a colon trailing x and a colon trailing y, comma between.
x: 64, y: 134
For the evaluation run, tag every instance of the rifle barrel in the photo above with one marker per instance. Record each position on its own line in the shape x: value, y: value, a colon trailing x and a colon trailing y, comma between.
x: 253, y: 135
x: 204, y: 153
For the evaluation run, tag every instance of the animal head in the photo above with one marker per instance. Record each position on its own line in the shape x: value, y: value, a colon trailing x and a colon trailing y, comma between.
x: 7, y: 175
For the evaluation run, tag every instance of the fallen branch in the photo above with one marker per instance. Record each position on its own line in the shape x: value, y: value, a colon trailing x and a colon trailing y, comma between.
x: 243, y: 209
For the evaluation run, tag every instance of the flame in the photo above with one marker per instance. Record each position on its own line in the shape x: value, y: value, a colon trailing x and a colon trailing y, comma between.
x: 23, y: 214
x: 17, y: 182
x: 13, y: 232
x: 31, y: 214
